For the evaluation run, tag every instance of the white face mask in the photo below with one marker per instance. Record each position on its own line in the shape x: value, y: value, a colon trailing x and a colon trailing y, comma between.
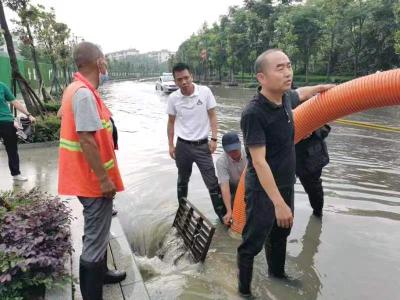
x: 103, y: 78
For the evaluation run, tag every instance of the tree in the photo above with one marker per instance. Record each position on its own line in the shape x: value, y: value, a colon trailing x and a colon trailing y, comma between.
x: 396, y: 10
x: 171, y: 62
x: 238, y: 42
x: 52, y: 36
x: 138, y: 65
x: 262, y: 15
x: 332, y: 28
x: 217, y: 48
x: 357, y: 14
x: 256, y: 34
x: 285, y: 38
x: 339, y: 37
x: 221, y: 46
x: 32, y: 101
x: 189, y: 52
x: 307, y: 26
x: 28, y: 15
x: 62, y: 48
x: 380, y: 37
x: 204, y: 46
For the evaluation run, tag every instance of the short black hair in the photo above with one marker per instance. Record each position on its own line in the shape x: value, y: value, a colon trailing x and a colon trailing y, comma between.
x: 86, y: 53
x: 261, y: 62
x: 179, y: 67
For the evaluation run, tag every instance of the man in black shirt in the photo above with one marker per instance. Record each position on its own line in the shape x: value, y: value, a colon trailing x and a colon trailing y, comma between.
x: 311, y: 156
x: 268, y: 134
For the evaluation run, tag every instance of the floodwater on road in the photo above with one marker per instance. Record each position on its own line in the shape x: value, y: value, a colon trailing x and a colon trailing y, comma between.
x: 353, y: 253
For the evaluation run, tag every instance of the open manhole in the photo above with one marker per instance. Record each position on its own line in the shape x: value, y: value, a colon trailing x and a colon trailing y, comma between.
x: 194, y: 228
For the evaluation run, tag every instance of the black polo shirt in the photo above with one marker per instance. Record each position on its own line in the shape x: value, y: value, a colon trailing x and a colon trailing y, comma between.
x: 266, y: 123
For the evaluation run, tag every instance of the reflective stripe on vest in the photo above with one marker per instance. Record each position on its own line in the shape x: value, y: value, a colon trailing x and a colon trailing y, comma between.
x: 106, y: 125
x: 70, y: 145
x: 76, y: 147
x: 109, y: 165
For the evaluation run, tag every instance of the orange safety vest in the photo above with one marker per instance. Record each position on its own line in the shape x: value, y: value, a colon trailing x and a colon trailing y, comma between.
x: 75, y: 176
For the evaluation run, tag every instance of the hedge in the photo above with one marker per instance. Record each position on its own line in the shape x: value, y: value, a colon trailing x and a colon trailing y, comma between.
x: 34, y: 242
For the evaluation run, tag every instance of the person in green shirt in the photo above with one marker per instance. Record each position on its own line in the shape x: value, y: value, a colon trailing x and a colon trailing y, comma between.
x: 8, y: 130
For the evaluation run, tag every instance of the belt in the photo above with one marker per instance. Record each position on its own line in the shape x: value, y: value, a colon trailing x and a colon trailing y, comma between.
x: 199, y: 142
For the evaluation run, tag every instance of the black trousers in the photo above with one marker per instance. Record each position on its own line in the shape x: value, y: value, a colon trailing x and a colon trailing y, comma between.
x: 261, y: 229
x: 233, y: 188
x: 9, y: 136
x: 186, y: 155
x: 312, y: 184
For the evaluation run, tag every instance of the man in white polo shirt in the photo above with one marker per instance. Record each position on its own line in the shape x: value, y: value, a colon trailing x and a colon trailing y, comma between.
x: 230, y: 166
x: 191, y: 113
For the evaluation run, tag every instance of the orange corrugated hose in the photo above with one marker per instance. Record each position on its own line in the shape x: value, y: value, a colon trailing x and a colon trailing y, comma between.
x: 376, y: 90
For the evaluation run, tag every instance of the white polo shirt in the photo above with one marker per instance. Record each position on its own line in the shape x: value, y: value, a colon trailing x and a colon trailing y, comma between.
x: 191, y: 112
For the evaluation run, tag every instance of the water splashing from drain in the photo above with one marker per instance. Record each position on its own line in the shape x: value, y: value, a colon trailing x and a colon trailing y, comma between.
x: 171, y: 257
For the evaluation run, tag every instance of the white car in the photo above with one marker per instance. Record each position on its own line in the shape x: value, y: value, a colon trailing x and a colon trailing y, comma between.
x: 165, y: 83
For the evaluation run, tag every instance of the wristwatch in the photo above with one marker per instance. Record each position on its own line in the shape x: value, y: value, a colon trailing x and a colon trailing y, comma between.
x: 213, y: 139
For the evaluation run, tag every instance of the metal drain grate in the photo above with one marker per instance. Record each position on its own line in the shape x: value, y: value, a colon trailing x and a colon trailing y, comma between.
x: 195, y: 229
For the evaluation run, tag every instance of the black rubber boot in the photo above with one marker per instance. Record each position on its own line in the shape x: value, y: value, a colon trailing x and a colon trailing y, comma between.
x: 91, y: 276
x: 275, y: 253
x: 315, y: 193
x: 318, y: 213
x: 316, y: 197
x: 182, y: 190
x: 245, y: 275
x: 276, y: 256
x: 112, y: 276
x: 218, y: 203
x: 268, y: 253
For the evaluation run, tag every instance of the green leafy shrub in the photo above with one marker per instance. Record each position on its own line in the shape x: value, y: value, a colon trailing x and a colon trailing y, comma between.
x: 316, y: 79
x: 47, y: 129
x: 52, y: 106
x: 34, y: 241
x: 251, y: 85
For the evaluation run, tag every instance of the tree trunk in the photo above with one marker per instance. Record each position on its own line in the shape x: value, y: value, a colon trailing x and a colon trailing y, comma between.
x: 42, y: 88
x: 358, y: 46
x: 31, y: 106
x: 355, y: 70
x: 307, y: 60
x: 329, y: 67
x: 55, y: 84
x: 306, y: 65
x: 70, y: 74
x: 66, y: 77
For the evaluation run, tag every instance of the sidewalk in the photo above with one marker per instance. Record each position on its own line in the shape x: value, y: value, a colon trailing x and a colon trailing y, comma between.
x: 40, y: 166
x: 119, y: 257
